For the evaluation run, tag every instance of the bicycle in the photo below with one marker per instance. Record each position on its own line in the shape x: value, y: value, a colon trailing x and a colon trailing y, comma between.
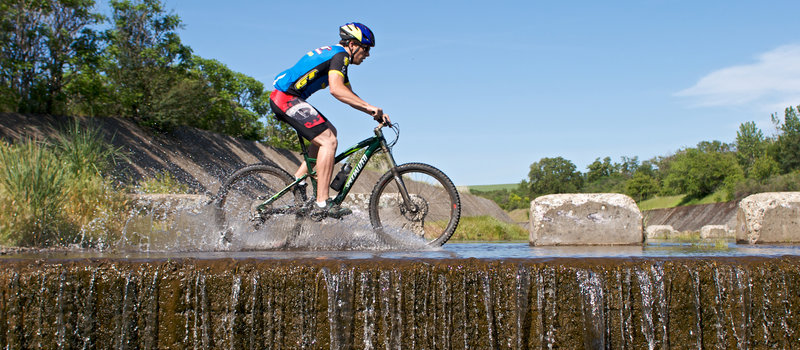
x: 414, y: 196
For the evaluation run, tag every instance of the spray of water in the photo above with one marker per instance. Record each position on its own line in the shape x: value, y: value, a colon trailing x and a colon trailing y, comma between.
x: 189, y: 225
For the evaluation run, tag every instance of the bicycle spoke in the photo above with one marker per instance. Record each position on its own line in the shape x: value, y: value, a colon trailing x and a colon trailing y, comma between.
x: 434, y: 208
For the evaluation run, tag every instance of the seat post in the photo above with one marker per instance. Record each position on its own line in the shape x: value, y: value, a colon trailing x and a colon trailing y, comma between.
x: 303, y: 148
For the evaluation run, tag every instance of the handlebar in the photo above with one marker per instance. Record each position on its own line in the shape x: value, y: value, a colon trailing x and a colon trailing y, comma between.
x: 382, y: 125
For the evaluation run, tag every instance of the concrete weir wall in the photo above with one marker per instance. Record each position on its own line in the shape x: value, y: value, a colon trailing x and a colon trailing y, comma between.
x: 409, y: 304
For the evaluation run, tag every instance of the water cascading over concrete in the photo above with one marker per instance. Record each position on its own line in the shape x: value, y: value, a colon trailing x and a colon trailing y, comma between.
x: 396, y: 303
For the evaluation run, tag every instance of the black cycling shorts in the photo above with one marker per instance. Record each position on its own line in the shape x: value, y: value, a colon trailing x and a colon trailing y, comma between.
x: 301, y: 115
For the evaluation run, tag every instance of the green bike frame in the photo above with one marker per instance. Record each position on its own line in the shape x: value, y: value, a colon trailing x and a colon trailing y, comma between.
x: 372, y: 146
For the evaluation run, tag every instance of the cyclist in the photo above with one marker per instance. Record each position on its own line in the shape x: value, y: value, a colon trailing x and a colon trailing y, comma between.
x: 320, y: 68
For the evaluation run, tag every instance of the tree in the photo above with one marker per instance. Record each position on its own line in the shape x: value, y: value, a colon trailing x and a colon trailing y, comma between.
x: 41, y: 42
x: 641, y: 186
x: 235, y: 102
x: 147, y: 58
x: 599, y: 170
x: 786, y: 149
x: 554, y: 175
x: 698, y: 172
x: 763, y: 168
x: 750, y: 145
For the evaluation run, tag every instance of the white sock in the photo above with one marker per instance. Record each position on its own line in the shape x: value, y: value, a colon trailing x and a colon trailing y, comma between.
x: 321, y: 205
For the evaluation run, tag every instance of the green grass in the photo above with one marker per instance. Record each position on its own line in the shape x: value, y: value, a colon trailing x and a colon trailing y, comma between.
x: 161, y: 182
x: 56, y: 193
x: 487, y: 228
x: 493, y: 187
x: 681, y: 200
x: 661, y: 202
x: 520, y: 215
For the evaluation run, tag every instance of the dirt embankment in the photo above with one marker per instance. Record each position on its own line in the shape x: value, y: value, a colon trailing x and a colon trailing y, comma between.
x: 201, y: 159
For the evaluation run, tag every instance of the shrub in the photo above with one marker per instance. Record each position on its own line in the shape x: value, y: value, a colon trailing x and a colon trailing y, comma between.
x: 779, y: 183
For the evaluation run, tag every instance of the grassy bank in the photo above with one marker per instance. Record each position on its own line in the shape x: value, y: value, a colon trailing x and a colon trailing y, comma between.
x: 56, y: 192
x: 487, y: 228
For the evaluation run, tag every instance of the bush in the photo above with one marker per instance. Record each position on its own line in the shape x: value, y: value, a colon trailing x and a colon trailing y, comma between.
x: 779, y: 183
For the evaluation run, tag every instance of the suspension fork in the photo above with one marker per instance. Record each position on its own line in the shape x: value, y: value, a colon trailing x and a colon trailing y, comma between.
x: 401, y: 186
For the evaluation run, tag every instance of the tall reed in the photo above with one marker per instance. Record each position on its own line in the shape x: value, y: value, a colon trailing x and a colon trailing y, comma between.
x: 32, y: 194
x: 59, y: 193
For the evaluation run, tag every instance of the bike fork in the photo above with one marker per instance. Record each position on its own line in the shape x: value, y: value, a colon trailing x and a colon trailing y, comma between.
x: 401, y: 186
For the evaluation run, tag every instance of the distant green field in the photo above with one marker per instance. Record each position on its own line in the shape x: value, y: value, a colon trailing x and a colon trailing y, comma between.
x: 493, y: 187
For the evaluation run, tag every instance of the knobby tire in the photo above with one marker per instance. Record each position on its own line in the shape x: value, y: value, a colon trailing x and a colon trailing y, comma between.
x: 246, y: 188
x: 435, y: 198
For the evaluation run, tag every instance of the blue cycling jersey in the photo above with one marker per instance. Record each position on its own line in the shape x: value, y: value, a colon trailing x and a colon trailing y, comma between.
x: 310, y: 73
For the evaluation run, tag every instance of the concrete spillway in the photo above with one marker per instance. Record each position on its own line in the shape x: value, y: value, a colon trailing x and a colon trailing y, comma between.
x: 625, y: 303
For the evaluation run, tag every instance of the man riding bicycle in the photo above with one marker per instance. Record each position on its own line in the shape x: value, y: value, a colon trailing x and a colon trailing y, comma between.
x: 320, y: 68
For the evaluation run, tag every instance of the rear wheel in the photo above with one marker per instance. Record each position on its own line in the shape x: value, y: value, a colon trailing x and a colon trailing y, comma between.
x: 434, y: 208
x: 238, y: 204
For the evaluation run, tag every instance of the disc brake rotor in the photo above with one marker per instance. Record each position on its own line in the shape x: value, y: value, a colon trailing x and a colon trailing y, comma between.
x: 418, y: 210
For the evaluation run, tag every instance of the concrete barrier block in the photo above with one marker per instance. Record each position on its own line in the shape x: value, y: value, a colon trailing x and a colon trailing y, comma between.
x: 659, y: 231
x: 585, y: 219
x: 771, y: 217
x: 715, y: 231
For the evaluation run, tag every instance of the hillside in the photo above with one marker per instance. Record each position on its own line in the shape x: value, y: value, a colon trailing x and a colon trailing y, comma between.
x: 198, y: 158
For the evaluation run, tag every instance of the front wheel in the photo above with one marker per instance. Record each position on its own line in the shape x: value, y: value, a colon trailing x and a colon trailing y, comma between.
x: 434, y: 208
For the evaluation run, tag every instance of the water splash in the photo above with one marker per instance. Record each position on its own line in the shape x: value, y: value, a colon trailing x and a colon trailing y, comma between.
x: 169, y: 226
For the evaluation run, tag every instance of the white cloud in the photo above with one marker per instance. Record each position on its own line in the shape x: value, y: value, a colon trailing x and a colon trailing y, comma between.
x: 770, y: 84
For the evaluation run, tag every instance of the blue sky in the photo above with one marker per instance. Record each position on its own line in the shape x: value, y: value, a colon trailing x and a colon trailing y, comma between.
x: 482, y: 89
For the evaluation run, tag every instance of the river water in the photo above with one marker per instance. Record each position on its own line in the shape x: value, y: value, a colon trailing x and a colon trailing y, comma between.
x: 456, y: 250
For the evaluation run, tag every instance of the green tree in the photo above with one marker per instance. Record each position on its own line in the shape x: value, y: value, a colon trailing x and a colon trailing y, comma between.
x: 750, y: 144
x: 606, y: 176
x: 642, y: 186
x: 41, y: 42
x: 698, y: 172
x: 233, y: 103
x: 146, y: 59
x: 599, y: 170
x: 554, y: 175
x: 786, y: 149
x: 763, y: 168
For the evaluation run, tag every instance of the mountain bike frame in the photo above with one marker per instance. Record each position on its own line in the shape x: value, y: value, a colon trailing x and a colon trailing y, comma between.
x: 371, y: 145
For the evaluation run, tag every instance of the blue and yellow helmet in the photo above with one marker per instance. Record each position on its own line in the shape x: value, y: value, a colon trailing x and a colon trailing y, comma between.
x: 357, y: 31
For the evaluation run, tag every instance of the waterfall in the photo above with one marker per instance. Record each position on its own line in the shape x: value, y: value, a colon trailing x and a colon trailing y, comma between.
x: 597, y: 303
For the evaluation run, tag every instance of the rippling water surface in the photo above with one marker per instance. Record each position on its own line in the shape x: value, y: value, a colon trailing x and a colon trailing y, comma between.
x: 494, y: 250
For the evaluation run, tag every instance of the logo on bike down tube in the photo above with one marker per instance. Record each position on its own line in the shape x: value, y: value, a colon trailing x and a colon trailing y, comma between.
x: 359, y: 166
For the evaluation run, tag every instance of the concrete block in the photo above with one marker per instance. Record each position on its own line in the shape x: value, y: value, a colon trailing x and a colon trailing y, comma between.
x: 659, y: 231
x: 770, y: 217
x: 715, y: 231
x: 585, y: 219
